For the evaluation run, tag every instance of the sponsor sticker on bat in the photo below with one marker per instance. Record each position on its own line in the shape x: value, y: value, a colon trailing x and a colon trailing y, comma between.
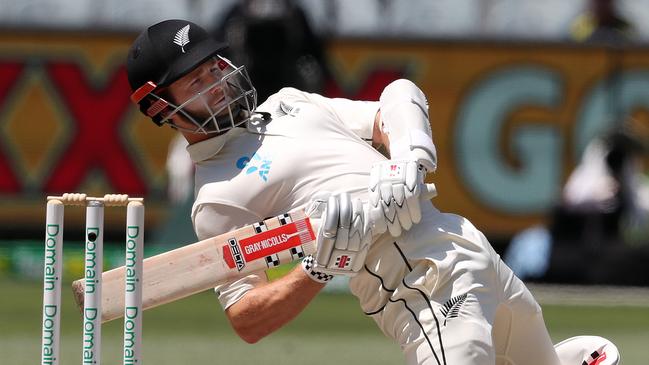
x: 273, y: 241
x: 235, y: 255
x: 238, y: 252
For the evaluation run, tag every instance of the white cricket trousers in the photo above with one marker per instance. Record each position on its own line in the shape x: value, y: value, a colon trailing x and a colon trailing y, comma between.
x: 446, y: 298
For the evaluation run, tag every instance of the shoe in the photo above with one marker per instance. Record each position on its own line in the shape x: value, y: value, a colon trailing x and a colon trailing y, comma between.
x: 587, y: 350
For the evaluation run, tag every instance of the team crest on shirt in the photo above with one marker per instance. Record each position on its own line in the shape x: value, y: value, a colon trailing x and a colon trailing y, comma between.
x: 451, y: 309
x: 255, y: 165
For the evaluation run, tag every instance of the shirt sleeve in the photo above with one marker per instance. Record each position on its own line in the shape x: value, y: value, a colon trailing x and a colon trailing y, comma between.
x: 358, y: 116
x: 212, y: 219
x: 231, y: 292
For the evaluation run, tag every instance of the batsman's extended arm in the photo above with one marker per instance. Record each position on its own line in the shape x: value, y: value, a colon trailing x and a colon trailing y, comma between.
x: 200, y: 266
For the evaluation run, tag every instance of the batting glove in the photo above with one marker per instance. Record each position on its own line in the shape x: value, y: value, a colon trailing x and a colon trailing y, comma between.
x: 344, y: 236
x: 396, y: 187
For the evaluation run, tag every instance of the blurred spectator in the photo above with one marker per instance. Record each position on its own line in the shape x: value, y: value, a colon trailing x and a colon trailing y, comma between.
x: 605, y: 197
x: 180, y: 172
x: 605, y: 204
x: 177, y: 230
x: 275, y: 42
x: 528, y: 253
x: 601, y: 22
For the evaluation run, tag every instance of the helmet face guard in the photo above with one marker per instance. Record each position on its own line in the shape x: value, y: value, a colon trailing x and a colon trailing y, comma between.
x: 239, y: 100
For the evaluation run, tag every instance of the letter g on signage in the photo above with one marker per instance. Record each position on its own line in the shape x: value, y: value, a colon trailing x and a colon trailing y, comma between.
x: 482, y: 114
x: 608, y: 103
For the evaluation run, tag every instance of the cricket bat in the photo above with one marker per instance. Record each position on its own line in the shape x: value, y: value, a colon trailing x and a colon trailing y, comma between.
x: 200, y: 266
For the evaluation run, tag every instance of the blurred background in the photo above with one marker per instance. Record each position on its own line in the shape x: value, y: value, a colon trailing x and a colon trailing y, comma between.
x: 539, y: 111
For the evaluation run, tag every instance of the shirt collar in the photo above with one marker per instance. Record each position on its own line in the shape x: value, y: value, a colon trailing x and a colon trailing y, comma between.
x: 206, y: 149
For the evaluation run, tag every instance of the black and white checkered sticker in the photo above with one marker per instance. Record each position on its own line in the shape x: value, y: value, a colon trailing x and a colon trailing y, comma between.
x: 284, y: 219
x: 297, y: 252
x: 260, y: 227
x: 272, y: 260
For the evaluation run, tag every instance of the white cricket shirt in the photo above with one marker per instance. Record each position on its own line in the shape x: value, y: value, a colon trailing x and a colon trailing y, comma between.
x: 408, y: 283
x: 312, y: 144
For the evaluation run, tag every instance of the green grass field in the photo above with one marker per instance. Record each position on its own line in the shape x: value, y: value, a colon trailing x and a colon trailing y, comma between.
x: 194, y: 330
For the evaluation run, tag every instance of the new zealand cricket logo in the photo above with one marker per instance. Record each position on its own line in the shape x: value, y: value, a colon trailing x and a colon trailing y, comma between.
x: 255, y: 164
x: 451, y: 309
x: 182, y: 37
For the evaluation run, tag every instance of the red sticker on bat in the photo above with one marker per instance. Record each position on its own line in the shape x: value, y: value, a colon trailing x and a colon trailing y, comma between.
x: 276, y: 240
x: 267, y: 243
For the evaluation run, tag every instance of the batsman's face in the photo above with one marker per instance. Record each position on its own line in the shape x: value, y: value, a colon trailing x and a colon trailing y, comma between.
x: 214, y: 97
x: 205, y: 82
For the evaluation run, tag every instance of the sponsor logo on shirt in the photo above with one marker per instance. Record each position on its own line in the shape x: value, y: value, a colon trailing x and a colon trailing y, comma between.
x: 255, y: 164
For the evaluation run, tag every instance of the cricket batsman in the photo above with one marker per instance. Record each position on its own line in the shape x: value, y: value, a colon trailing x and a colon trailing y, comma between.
x: 430, y: 280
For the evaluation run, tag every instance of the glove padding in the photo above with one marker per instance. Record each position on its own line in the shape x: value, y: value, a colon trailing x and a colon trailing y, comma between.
x: 344, y: 236
x: 396, y: 187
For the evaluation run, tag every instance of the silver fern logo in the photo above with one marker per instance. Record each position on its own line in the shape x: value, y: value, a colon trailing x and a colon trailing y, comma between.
x: 182, y: 37
x: 451, y: 309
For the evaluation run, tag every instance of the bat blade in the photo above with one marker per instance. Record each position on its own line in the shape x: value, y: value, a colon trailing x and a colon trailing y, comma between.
x: 200, y: 266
